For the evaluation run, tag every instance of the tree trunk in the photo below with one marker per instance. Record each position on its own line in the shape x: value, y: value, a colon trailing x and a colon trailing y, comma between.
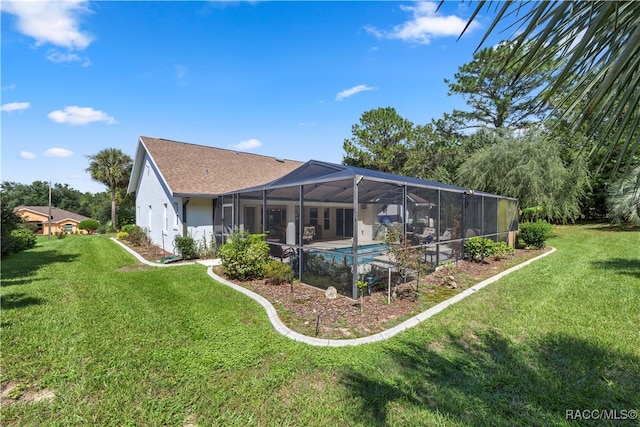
x: 113, y: 209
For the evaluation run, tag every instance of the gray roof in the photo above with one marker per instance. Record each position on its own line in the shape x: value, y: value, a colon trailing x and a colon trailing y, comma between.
x: 325, y: 181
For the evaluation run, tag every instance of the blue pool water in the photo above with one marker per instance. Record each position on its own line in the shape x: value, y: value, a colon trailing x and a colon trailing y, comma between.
x: 366, y: 253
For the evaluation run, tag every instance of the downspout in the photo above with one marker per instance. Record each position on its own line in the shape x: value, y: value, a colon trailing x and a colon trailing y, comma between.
x: 185, y: 202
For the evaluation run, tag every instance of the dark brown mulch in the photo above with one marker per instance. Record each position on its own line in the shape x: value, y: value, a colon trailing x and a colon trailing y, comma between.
x: 307, y: 310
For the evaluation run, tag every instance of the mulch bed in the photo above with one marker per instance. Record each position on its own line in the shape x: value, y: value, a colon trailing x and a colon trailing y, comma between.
x: 307, y: 310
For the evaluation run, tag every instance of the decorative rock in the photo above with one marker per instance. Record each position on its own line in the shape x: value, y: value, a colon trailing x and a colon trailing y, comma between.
x: 331, y: 293
x: 450, y: 282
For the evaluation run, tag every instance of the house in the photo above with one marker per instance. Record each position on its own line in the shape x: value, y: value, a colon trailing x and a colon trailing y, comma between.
x: 61, y: 220
x: 177, y: 186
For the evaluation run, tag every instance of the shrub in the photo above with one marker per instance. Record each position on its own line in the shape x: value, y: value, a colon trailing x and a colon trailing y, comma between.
x: 137, y: 236
x: 501, y: 250
x: 244, y: 255
x: 91, y: 225
x: 61, y: 234
x: 123, y: 235
x: 206, y: 249
x: 20, y: 239
x: 479, y: 248
x: 277, y: 272
x: 185, y: 246
x: 127, y: 228
x: 534, y: 234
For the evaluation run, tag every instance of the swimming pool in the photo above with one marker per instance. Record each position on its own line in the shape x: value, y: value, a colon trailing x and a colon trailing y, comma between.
x: 366, y: 253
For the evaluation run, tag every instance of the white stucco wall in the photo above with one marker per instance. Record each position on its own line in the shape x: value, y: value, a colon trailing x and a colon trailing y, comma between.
x: 200, y: 218
x: 152, y: 196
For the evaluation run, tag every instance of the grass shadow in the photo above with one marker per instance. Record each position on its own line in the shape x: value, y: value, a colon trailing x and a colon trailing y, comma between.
x: 482, y: 378
x: 626, y: 266
x: 18, y: 300
x: 18, y: 268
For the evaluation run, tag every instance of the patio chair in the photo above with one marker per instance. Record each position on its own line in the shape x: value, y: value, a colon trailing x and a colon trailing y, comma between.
x: 308, y: 234
x: 279, y: 251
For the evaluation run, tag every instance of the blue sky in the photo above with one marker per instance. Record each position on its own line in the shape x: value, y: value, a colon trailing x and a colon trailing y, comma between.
x: 285, y: 79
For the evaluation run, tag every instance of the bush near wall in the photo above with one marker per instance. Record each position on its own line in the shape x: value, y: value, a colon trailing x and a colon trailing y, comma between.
x: 534, y: 234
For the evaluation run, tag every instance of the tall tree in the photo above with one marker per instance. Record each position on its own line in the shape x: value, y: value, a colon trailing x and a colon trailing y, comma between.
x: 599, y: 42
x: 529, y: 168
x: 380, y: 141
x: 624, y: 200
x: 112, y: 167
x: 498, y: 96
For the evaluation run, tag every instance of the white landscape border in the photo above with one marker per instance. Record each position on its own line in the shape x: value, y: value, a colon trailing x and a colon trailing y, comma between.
x: 282, y: 329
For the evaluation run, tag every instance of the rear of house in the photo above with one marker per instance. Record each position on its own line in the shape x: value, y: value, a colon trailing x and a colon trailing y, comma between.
x: 177, y: 185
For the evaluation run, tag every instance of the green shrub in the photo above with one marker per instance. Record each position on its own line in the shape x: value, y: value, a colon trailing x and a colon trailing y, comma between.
x: 501, y: 250
x: 206, y: 249
x: 61, y: 234
x: 479, y: 248
x: 91, y: 225
x: 127, y: 228
x: 534, y: 234
x: 137, y: 236
x: 123, y: 235
x: 20, y: 239
x: 185, y: 246
x: 277, y: 272
x: 244, y: 255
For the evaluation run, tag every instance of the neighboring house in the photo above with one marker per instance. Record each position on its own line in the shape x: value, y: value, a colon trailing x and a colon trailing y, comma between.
x: 61, y: 220
x: 177, y: 185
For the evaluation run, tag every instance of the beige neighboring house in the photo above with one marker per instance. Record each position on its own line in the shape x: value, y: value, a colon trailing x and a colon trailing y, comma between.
x: 177, y: 185
x: 61, y: 220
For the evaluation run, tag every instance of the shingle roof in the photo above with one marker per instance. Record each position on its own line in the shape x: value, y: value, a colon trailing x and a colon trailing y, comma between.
x: 190, y: 169
x: 57, y: 214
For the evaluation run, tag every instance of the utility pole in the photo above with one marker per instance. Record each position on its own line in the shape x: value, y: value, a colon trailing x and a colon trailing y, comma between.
x: 49, y: 211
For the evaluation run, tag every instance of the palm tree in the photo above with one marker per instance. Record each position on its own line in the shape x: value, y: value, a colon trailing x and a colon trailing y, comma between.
x: 111, y: 167
x: 599, y: 43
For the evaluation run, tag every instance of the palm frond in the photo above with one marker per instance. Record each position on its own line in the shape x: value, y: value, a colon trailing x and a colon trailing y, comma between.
x: 598, y: 77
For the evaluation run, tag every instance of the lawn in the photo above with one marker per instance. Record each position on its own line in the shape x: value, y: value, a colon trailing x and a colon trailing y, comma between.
x: 171, y: 347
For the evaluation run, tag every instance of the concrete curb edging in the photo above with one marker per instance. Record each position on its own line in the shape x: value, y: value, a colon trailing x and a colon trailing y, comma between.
x: 282, y: 329
x: 144, y: 261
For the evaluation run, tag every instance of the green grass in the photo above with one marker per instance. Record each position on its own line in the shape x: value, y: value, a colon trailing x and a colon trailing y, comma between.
x: 165, y: 346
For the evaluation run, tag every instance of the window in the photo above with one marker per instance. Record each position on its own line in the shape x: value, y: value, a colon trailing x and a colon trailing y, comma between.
x: 165, y: 219
x: 68, y: 228
x: 327, y: 219
x: 313, y: 216
x: 175, y: 221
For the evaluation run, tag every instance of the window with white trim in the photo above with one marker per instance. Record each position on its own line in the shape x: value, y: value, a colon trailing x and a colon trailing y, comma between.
x: 175, y: 221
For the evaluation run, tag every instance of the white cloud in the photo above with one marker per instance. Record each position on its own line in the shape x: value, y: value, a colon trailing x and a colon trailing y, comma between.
x: 55, y: 56
x: 352, y: 91
x: 181, y: 71
x: 15, y: 106
x: 75, y: 115
x: 249, y: 144
x: 58, y: 152
x: 27, y: 155
x: 55, y: 22
x: 424, y: 24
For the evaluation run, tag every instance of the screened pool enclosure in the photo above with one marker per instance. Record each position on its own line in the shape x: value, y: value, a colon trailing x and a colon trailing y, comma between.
x: 335, y: 224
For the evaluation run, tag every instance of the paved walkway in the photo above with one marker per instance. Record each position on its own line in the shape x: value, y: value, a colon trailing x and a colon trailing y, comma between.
x: 282, y: 329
